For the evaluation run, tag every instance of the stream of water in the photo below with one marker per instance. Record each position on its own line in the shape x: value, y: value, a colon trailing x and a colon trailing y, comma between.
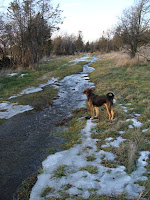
x: 25, y: 137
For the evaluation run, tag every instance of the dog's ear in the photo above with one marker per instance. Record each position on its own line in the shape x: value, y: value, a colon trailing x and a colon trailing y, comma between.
x: 87, y: 91
x: 84, y: 92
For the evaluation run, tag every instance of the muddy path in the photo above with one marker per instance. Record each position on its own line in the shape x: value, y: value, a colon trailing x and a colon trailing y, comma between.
x: 25, y: 137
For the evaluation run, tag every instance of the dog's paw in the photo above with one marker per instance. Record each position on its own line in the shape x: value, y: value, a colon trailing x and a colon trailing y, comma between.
x: 87, y: 117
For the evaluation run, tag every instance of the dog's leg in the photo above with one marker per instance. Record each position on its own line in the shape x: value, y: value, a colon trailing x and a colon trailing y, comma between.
x: 108, y: 111
x: 97, y: 112
x: 91, y: 108
x: 92, y: 111
x: 112, y: 114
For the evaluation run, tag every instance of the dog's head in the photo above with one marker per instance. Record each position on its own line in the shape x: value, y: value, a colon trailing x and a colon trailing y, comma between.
x: 87, y: 91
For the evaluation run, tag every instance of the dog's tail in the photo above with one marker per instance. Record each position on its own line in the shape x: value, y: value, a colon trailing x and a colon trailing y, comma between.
x: 110, y: 96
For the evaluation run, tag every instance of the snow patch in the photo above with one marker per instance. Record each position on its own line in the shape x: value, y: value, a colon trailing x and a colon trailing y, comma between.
x: 8, y: 110
x: 144, y: 130
x: 12, y: 74
x: 136, y: 123
x: 115, y: 143
x: 107, y: 181
x: 34, y: 89
x: 84, y: 58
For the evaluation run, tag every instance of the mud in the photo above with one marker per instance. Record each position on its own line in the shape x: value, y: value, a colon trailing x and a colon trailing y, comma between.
x: 25, y: 138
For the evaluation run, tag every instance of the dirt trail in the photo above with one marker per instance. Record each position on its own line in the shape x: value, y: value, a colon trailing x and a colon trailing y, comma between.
x: 25, y: 137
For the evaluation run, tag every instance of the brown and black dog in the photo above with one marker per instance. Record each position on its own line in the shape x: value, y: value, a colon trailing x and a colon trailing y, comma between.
x: 95, y: 101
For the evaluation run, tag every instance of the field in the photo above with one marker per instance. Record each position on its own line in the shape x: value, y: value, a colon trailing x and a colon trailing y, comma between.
x: 127, y: 137
x: 129, y: 82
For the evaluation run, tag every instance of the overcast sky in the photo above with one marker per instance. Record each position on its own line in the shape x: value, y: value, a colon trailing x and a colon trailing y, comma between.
x: 92, y: 17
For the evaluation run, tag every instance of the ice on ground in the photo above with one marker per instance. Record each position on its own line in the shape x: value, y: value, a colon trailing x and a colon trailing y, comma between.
x: 144, y: 130
x: 105, y: 180
x: 137, y: 115
x: 128, y: 104
x: 108, y: 139
x: 22, y: 75
x: 115, y: 143
x: 136, y: 123
x: 12, y: 74
x: 130, y: 126
x: 84, y: 58
x: 121, y: 132
x: 124, y: 108
x: 8, y: 110
x: 35, y: 89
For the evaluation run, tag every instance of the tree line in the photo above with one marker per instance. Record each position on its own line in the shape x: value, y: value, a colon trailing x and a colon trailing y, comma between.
x: 26, y: 33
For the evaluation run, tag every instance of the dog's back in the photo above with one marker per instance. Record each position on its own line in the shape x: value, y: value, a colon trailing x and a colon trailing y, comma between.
x: 101, y: 100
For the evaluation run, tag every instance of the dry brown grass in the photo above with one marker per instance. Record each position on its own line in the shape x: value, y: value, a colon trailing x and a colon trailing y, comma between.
x: 123, y: 59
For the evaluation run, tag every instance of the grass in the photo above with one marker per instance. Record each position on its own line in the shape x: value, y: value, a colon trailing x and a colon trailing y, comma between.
x: 23, y: 191
x: 90, y: 158
x: 38, y: 100
x: 130, y: 84
x: 60, y: 171
x: 58, y: 68
x: 91, y: 169
x: 46, y: 191
x: 72, y: 135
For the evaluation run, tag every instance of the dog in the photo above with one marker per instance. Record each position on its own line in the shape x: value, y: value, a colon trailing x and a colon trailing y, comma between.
x: 95, y: 101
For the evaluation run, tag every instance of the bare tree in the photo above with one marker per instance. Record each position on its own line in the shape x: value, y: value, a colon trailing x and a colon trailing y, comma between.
x: 79, y: 42
x: 64, y: 45
x: 133, y: 26
x: 32, y: 23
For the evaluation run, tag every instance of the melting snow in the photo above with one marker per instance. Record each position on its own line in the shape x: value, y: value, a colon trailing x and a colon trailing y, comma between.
x: 109, y: 181
x: 144, y: 130
x: 34, y: 89
x: 115, y: 143
x: 22, y: 75
x: 12, y: 74
x: 84, y: 58
x: 121, y: 132
x: 136, y: 123
x: 8, y: 110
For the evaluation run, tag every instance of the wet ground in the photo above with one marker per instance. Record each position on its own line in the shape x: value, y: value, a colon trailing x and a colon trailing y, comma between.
x: 25, y: 137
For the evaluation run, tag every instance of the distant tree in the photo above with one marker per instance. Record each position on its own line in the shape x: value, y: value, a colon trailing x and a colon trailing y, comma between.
x: 47, y: 48
x: 87, y: 47
x: 102, y: 44
x: 64, y: 45
x: 69, y: 44
x: 58, y: 46
x: 31, y: 23
x: 93, y: 47
x: 117, y: 41
x: 79, y: 43
x: 5, y: 61
x: 133, y: 26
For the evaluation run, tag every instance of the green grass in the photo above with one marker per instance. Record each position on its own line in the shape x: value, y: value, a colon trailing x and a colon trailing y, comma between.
x: 38, y: 100
x: 60, y: 171
x: 128, y: 88
x: 24, y: 190
x: 72, y: 135
x: 58, y: 68
x: 91, y: 169
x: 46, y: 191
x: 90, y: 158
